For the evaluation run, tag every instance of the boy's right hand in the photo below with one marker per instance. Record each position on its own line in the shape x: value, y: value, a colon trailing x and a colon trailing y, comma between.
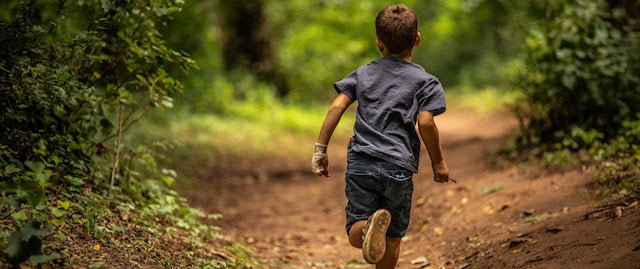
x: 320, y: 160
x: 440, y: 172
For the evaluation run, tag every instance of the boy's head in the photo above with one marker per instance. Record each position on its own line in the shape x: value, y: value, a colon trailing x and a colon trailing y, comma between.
x: 397, y: 28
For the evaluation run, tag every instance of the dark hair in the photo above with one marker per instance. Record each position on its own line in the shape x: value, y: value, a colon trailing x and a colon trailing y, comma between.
x: 397, y: 27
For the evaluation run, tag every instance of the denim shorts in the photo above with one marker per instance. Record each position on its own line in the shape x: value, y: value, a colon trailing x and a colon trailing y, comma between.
x: 371, y: 184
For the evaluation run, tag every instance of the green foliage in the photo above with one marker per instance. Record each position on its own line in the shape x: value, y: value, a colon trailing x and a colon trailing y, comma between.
x: 581, y: 90
x: 619, y: 159
x: 473, y: 43
x: 323, y: 41
x: 616, y: 160
x: 463, y: 42
x: 73, y: 77
x: 27, y: 243
x: 315, y: 43
x: 583, y: 71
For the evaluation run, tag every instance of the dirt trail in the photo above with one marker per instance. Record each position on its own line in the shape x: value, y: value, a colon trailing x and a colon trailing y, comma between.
x: 510, y: 218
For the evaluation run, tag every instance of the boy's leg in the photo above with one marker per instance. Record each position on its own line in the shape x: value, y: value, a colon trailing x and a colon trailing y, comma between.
x: 356, y: 234
x: 390, y: 258
x: 370, y: 235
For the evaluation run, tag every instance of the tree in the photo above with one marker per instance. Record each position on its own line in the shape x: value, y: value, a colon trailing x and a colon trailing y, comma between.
x: 247, y: 41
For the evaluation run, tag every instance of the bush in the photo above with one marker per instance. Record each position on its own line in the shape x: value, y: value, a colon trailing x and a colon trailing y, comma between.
x: 583, y: 70
x: 73, y: 78
x: 616, y: 161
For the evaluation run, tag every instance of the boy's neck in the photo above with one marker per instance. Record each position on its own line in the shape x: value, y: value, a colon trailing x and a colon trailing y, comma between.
x: 404, y: 55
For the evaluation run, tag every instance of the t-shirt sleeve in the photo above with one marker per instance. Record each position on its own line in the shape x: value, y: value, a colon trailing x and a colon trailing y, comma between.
x: 431, y: 97
x: 347, y: 85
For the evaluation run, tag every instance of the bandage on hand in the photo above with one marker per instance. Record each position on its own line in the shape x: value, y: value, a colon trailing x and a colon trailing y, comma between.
x: 319, y: 160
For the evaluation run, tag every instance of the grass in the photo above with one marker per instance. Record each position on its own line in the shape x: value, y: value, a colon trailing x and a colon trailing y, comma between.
x: 264, y: 128
x: 481, y: 100
x: 242, y: 138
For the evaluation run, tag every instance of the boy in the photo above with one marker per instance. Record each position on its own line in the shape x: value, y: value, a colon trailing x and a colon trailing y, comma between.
x: 393, y: 96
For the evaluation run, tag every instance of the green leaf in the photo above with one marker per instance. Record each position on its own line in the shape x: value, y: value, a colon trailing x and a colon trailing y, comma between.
x: 489, y: 190
x: 57, y: 222
x: 19, y: 216
x: 43, y: 178
x: 214, y: 216
x: 61, y: 236
x: 32, y: 229
x: 10, y: 169
x: 533, y: 219
x: 75, y: 181
x: 18, y: 250
x: 17, y: 200
x: 169, y: 172
x: 39, y: 173
x: 35, y: 197
x: 117, y: 228
x: 37, y: 167
x: 64, y: 204
x: 26, y: 242
x: 57, y: 211
x: 41, y: 258
x: 167, y: 180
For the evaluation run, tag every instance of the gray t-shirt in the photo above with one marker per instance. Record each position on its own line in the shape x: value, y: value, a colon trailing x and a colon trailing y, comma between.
x: 390, y: 93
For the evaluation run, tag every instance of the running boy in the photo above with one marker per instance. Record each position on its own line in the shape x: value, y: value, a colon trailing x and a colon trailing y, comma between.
x: 393, y: 96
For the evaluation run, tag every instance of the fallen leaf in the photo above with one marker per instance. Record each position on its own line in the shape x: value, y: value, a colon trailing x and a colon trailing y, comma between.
x: 419, y: 260
x: 618, y: 212
x: 96, y: 247
x: 438, y: 231
x: 290, y: 256
x: 488, y: 210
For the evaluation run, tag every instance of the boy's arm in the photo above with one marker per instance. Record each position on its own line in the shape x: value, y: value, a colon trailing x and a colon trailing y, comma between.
x: 320, y: 161
x: 431, y: 139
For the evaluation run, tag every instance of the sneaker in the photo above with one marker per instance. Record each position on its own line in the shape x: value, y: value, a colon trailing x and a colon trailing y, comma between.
x: 375, y: 236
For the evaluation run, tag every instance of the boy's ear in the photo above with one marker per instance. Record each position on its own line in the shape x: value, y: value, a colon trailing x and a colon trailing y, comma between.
x: 380, y: 45
x: 417, y: 40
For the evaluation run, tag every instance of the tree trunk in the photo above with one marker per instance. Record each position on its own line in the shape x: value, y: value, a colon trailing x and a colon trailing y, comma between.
x: 247, y: 41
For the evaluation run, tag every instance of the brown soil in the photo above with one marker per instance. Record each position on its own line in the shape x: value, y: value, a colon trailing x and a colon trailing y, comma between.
x: 519, y: 217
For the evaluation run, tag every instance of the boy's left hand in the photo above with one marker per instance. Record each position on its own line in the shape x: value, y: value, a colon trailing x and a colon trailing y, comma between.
x: 440, y: 172
x: 320, y: 160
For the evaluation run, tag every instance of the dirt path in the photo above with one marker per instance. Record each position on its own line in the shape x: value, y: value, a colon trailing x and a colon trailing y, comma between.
x: 511, y: 218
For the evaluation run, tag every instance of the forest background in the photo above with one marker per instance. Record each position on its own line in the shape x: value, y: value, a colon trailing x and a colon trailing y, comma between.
x: 109, y: 108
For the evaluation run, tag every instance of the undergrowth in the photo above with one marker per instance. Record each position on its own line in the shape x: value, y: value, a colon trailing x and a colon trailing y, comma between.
x: 73, y: 78
x: 614, y: 162
x: 144, y: 224
x: 254, y: 136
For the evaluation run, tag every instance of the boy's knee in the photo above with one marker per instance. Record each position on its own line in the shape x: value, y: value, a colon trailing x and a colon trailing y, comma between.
x: 355, y: 234
x: 355, y: 242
